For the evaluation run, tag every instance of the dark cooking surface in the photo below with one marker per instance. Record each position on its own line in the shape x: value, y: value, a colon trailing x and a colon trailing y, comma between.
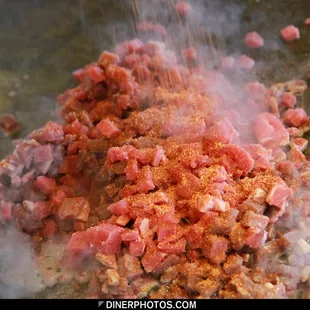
x: 47, y: 39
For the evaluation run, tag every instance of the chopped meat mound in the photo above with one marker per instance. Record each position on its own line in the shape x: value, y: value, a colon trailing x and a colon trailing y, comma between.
x: 156, y: 189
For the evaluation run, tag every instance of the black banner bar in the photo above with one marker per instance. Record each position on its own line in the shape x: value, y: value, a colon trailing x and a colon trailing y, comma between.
x: 175, y: 304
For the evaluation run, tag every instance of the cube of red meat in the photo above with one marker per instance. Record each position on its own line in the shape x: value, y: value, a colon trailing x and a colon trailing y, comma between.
x: 173, y: 247
x: 253, y: 40
x: 203, y: 203
x: 71, y: 104
x: 129, y: 267
x: 152, y: 258
x: 169, y: 261
x: 191, y: 155
x: 119, y: 207
x: 273, y: 105
x: 45, y: 185
x: 288, y: 100
x: 121, y: 220
x: 183, y: 8
x: 290, y: 33
x: 256, y: 240
x: 42, y: 154
x: 255, y: 90
x: 278, y: 195
x: 108, y: 261
x: 128, y: 47
x: 307, y: 21
x: 254, y: 221
x: 233, y: 264
x: 215, y: 248
x: 78, y: 244
x: 136, y: 248
x: 123, y: 102
x: 297, y: 156
x: 246, y: 62
x: 258, y: 196
x: 76, y: 128
x: 105, y: 238
x: 208, y: 287
x: 295, y: 117
x: 128, y: 190
x: 108, y: 129
x: 300, y: 143
x: 29, y: 205
x: 228, y: 63
x: 78, y: 93
x: 261, y: 156
x: 95, y: 73
x: 145, y: 180
x: 189, y: 54
x: 188, y: 186
x: 187, y: 126
x: 143, y: 226
x: 194, y: 235
x: 9, y: 124
x: 158, y: 156
x: 58, y: 198
x: 118, y: 74
x: 132, y: 60
x: 132, y: 170
x: 288, y: 169
x: 6, y: 210
x: 79, y: 74
x: 222, y: 131
x: 274, y: 213
x: 236, y: 160
x: 49, y: 229
x: 107, y: 59
x: 75, y: 208
x: 278, y: 155
x: 117, y: 154
x: 237, y: 237
x: 132, y: 235
x: 165, y: 230
x: 24, y: 152
x: 214, y: 174
x: 225, y: 222
x: 270, y: 131
x: 42, y: 210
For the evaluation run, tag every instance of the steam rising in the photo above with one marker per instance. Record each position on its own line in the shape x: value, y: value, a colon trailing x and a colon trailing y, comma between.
x: 19, y: 276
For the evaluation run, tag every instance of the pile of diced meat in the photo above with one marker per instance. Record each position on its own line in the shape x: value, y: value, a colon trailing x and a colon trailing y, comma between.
x: 155, y: 191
